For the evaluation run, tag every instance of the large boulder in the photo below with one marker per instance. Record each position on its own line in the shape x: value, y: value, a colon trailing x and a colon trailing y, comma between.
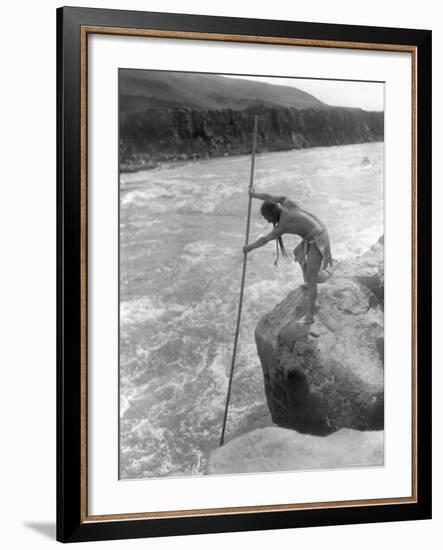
x: 278, y: 449
x: 326, y: 376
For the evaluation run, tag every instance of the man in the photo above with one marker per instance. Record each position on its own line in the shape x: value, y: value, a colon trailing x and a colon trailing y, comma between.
x: 313, y: 253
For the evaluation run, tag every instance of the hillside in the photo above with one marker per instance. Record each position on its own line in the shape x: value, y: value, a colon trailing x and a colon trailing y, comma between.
x: 141, y: 90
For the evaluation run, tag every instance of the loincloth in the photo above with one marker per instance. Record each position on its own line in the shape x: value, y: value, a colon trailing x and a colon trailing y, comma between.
x: 321, y: 240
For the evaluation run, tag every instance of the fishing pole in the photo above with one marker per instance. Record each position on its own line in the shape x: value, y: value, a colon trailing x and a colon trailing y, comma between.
x: 242, y: 286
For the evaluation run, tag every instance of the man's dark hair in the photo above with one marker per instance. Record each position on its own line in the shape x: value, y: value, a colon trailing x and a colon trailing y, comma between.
x: 271, y: 212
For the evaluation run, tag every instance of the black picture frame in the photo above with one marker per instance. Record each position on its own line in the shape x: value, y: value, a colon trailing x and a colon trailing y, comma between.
x: 72, y: 523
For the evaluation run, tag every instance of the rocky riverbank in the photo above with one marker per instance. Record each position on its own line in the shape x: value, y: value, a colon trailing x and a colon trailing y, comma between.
x: 325, y: 379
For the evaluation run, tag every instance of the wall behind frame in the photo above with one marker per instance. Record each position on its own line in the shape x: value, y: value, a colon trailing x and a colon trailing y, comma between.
x: 27, y: 276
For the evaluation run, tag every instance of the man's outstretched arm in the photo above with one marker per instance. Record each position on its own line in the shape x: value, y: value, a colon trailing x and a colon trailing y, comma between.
x: 274, y: 234
x: 273, y: 198
x: 266, y: 197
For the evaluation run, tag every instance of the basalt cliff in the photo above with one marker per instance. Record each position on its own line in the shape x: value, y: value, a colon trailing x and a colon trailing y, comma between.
x: 171, y: 116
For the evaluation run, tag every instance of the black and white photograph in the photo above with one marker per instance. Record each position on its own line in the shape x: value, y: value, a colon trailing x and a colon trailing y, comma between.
x: 251, y: 274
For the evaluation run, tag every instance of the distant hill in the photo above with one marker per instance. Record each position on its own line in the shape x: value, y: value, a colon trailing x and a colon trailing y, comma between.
x: 141, y: 90
x: 178, y: 116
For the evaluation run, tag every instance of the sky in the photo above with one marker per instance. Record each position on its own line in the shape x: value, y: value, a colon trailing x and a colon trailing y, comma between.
x: 341, y: 93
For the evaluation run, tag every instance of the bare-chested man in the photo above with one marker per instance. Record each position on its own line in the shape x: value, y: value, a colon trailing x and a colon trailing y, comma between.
x: 313, y: 253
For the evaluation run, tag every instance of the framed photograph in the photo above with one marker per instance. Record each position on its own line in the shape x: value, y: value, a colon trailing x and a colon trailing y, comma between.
x: 244, y: 274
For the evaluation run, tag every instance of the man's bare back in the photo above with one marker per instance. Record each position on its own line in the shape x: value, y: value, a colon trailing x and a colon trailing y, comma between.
x: 295, y: 220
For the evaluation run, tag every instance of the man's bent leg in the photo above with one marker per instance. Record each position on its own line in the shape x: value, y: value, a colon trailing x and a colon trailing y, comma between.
x: 300, y: 258
x: 312, y: 298
x: 313, y: 264
x: 305, y: 276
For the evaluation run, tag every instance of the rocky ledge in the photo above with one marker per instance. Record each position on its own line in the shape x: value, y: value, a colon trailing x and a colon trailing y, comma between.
x: 323, y: 377
x: 278, y: 449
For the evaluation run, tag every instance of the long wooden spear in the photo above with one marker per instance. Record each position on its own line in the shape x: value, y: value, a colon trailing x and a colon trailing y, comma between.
x: 242, y: 286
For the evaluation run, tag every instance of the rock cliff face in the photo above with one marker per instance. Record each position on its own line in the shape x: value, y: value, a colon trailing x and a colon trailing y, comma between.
x: 277, y: 450
x: 323, y: 377
x: 184, y: 133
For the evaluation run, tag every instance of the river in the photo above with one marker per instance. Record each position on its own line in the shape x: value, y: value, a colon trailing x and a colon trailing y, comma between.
x: 182, y: 230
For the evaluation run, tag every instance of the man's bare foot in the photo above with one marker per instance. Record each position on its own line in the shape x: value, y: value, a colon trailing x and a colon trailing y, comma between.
x: 308, y: 320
